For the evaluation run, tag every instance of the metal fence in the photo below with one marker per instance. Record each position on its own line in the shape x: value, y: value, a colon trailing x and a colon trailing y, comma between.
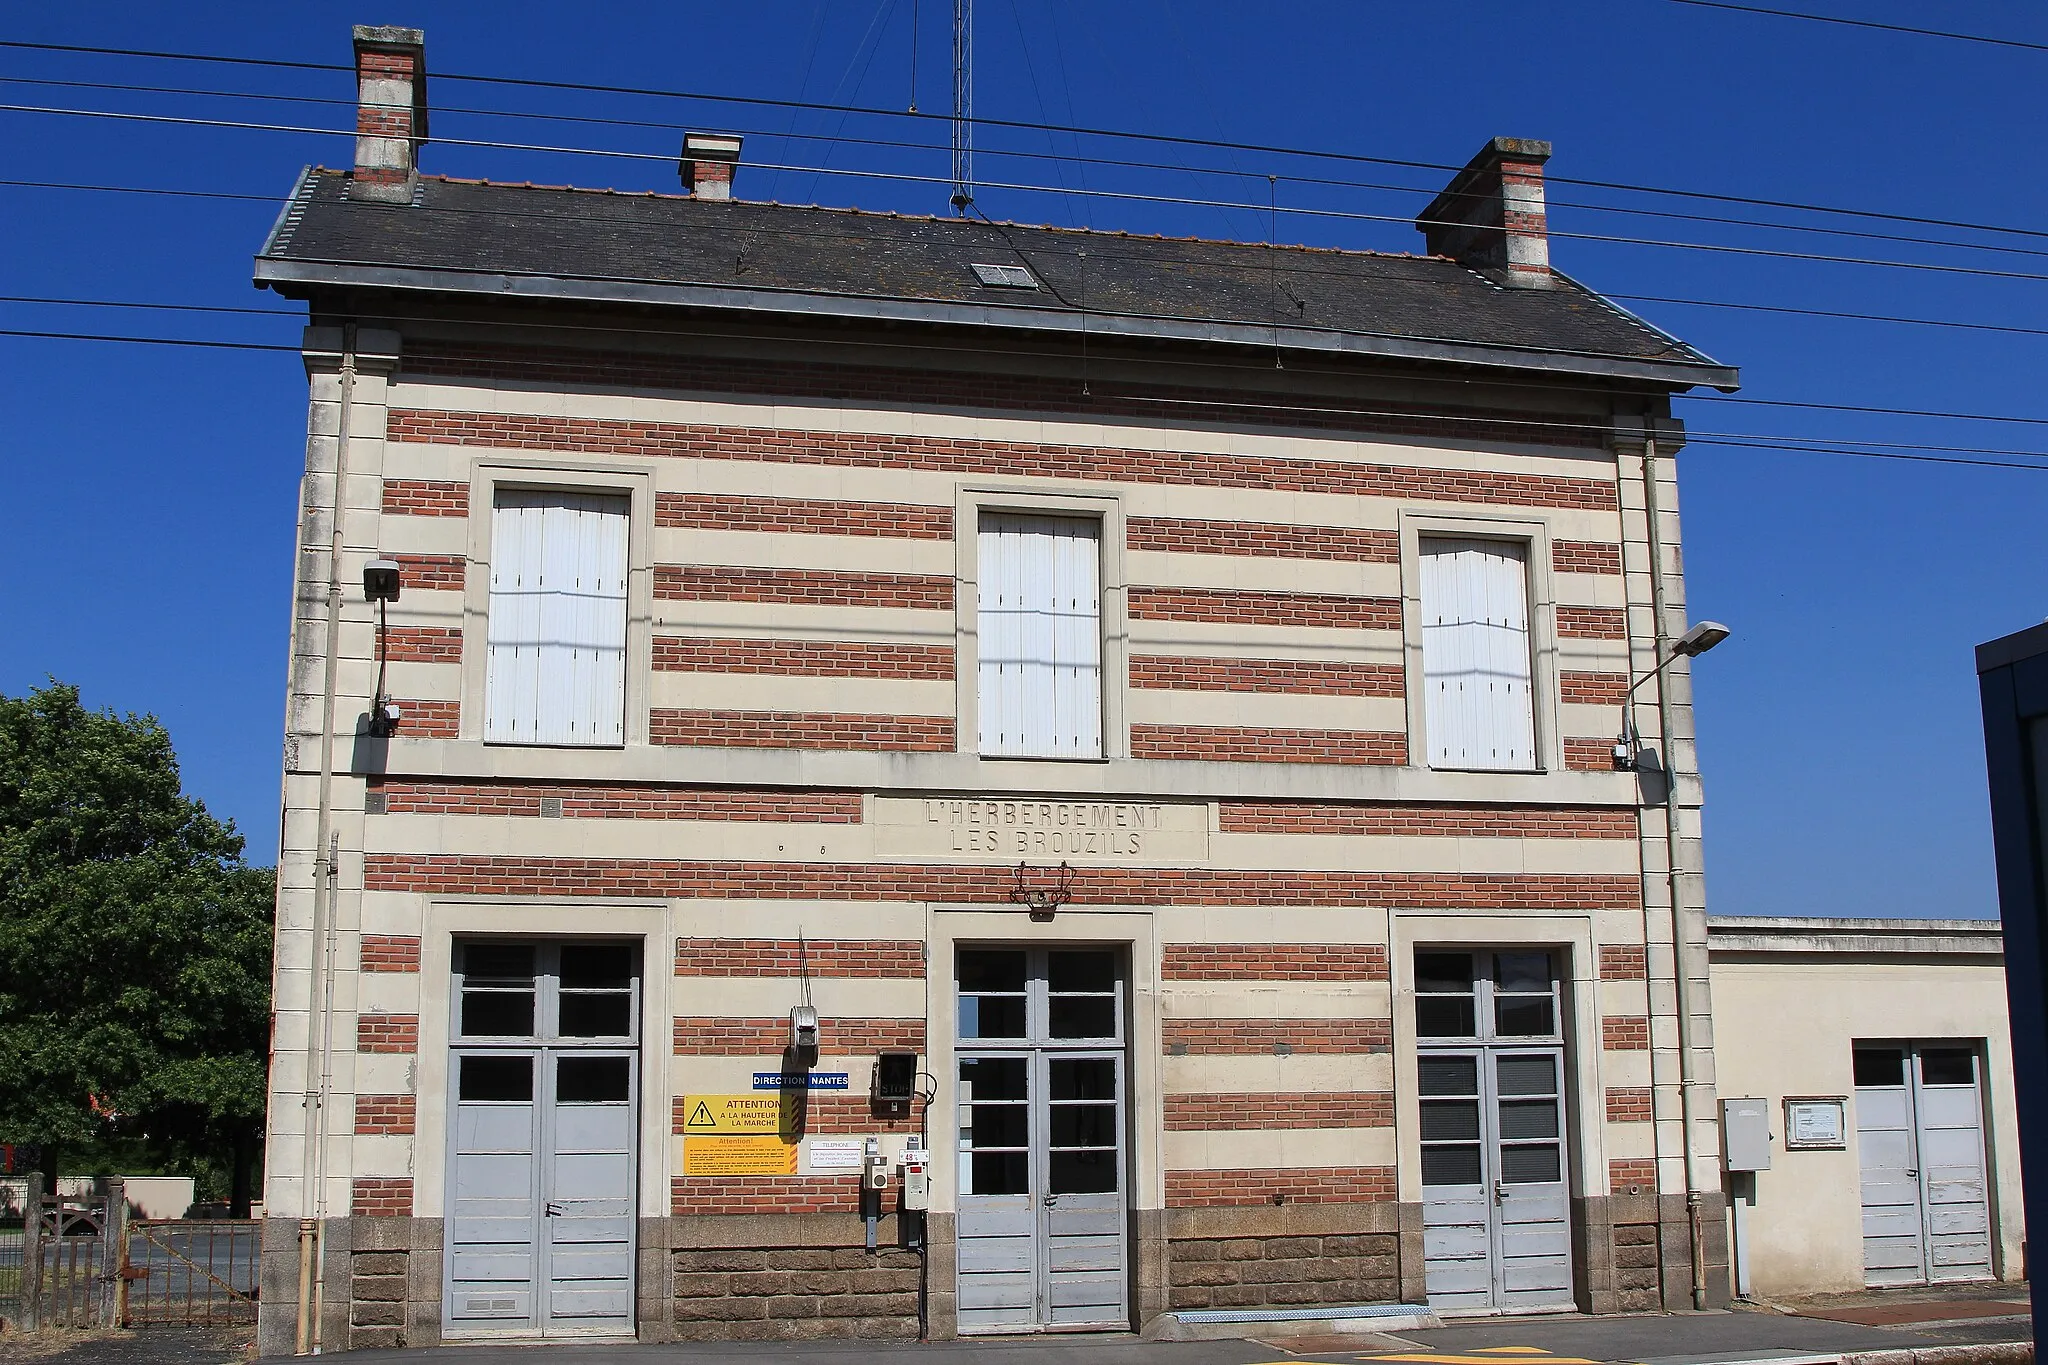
x: 84, y: 1263
x: 189, y: 1272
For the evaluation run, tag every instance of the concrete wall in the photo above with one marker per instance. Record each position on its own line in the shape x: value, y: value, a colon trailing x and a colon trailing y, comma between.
x: 801, y: 758
x: 1791, y: 999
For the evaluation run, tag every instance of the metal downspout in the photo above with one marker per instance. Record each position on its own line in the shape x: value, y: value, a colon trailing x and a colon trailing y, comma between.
x: 319, y: 1001
x: 1695, y: 1231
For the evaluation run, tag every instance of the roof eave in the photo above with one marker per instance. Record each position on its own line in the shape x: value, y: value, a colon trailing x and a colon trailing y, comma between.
x: 272, y: 271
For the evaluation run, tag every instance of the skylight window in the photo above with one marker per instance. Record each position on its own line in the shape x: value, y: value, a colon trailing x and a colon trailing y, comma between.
x: 1005, y: 276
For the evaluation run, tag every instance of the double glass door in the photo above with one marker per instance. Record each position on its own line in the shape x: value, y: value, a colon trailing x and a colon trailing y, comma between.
x: 1490, y: 1076
x: 1041, y: 1237
x: 1920, y: 1147
x: 541, y: 1159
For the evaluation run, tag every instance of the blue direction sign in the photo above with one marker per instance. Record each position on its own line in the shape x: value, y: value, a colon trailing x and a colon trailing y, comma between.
x: 796, y: 1080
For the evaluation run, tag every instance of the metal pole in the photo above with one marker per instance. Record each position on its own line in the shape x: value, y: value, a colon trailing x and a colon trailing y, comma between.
x: 312, y: 1197
x: 1686, y: 1081
x: 963, y: 105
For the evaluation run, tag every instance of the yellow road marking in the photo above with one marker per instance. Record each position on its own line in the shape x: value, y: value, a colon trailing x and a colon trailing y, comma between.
x: 1511, y: 1350
x: 1445, y: 1358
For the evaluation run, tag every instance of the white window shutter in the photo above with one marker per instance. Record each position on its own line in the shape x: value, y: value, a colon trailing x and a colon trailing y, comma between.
x: 1479, y: 706
x: 557, y: 637
x: 1039, y: 628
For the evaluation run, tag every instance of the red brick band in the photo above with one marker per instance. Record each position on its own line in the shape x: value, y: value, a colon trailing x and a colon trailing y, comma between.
x: 1258, y: 744
x: 707, y: 1037
x: 618, y: 802
x: 436, y: 572
x: 1037, y: 394
x: 384, y: 1114
x: 1273, y: 962
x: 1623, y: 962
x: 425, y: 498
x: 690, y: 1194
x: 802, y: 658
x: 398, y: 1033
x: 937, y: 454
x: 1592, y: 623
x: 896, y: 959
x: 1625, y: 1033
x: 1271, y: 540
x: 1494, y: 822
x: 1249, y: 1037
x: 1233, y: 606
x: 428, y: 719
x: 802, y: 587
x: 992, y: 885
x: 1629, y: 1104
x: 390, y: 953
x: 1592, y: 689
x: 1263, y: 1112
x: 801, y: 730
x: 380, y: 1196
x: 803, y: 516
x: 423, y: 644
x: 1586, y: 754
x: 1280, y: 1185
x: 1634, y: 1174
x: 1584, y: 556
x: 1315, y: 677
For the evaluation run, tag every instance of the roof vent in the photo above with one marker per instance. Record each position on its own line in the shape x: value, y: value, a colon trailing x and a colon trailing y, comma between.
x: 1005, y: 276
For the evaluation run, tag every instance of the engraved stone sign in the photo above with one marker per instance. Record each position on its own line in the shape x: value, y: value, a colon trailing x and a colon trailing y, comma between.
x: 1040, y: 830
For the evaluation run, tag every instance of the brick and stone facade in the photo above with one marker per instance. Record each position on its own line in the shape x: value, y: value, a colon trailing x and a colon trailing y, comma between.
x: 799, y: 733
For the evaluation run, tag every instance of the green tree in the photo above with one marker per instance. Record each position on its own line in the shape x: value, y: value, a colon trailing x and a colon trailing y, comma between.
x: 134, y: 946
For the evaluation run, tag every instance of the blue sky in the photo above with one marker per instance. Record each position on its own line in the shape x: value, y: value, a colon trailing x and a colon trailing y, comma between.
x: 147, y: 499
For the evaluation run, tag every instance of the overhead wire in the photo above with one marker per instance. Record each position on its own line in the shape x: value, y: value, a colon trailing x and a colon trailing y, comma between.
x: 1058, y: 158
x: 1121, y: 195
x: 1845, y: 22
x: 1080, y: 130
x: 1695, y: 435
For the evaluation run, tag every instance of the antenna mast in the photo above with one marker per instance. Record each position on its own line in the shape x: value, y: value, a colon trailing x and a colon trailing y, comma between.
x: 963, y: 105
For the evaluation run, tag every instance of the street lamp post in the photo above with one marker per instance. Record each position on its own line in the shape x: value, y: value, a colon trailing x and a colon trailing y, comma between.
x: 1693, y: 643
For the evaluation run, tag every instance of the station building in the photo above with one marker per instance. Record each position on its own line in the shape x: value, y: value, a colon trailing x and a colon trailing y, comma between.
x: 1132, y: 717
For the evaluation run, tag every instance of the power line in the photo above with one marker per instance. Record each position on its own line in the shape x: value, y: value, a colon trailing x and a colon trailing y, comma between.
x: 1057, y: 158
x: 1840, y: 445
x: 1026, y: 125
x: 1868, y: 23
x: 1125, y: 195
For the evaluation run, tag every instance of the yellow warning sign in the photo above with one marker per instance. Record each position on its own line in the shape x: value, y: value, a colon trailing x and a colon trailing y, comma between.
x: 718, y: 1115
x: 748, y: 1155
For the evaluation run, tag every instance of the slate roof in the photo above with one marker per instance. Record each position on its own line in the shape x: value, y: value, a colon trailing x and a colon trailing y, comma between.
x: 499, y: 240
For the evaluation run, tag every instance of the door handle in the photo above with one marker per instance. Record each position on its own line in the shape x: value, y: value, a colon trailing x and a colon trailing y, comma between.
x: 1500, y: 1191
x: 554, y: 1210
x: 1913, y: 1171
x: 1051, y: 1200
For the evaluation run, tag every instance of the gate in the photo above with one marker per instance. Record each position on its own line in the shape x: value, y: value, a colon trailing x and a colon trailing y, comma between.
x: 58, y: 1270
x: 189, y: 1272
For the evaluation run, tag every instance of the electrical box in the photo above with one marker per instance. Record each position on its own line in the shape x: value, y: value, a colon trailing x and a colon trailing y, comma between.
x: 874, y: 1171
x: 1746, y: 1134
x: 917, y: 1190
x: 895, y: 1083
x: 803, y: 1029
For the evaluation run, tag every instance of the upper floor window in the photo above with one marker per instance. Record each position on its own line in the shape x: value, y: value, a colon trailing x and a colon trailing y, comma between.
x: 1479, y: 711
x: 557, y: 631
x: 1039, y: 634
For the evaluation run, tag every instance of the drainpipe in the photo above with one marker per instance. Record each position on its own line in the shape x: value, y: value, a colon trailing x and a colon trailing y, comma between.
x: 1695, y: 1228
x: 320, y: 993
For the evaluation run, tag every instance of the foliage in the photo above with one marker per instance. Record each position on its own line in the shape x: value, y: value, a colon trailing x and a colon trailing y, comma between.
x: 134, y: 942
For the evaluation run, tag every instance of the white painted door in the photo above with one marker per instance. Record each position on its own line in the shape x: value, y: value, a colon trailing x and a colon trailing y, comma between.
x: 542, y: 1170
x: 1920, y: 1149
x: 1042, y: 1239
x: 1496, y: 1207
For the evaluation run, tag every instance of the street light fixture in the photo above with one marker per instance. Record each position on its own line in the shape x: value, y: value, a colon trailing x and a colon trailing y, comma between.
x: 1690, y: 645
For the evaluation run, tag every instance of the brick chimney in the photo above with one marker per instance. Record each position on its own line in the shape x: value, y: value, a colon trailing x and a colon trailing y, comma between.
x: 391, y: 113
x: 709, y: 163
x: 1490, y: 217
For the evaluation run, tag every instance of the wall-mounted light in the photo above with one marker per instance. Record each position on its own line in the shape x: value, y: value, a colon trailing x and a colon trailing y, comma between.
x: 1690, y: 645
x: 381, y: 582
